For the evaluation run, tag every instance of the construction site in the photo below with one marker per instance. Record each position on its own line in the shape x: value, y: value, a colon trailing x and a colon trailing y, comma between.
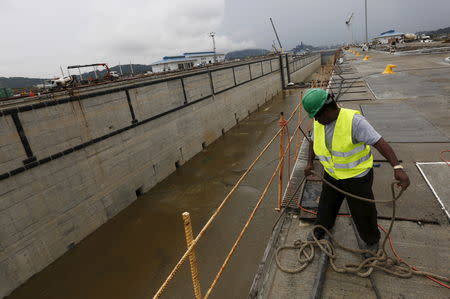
x: 247, y: 206
x: 321, y: 173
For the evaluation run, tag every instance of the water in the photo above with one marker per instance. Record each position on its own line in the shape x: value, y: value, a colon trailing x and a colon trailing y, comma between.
x: 130, y: 256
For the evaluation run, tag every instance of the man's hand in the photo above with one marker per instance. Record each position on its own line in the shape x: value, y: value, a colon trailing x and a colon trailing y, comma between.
x: 400, y: 176
x: 308, y: 169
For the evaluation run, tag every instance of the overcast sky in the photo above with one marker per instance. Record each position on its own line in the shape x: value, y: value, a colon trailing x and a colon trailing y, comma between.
x: 39, y: 36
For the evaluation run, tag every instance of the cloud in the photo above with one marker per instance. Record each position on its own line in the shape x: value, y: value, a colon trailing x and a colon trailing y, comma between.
x: 52, y: 33
x: 39, y: 36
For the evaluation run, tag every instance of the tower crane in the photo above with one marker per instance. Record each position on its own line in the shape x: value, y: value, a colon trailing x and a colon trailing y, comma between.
x: 348, y: 23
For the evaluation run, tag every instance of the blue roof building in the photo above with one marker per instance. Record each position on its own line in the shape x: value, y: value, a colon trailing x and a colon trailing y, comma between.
x: 384, y: 37
x: 186, y: 61
x: 391, y: 33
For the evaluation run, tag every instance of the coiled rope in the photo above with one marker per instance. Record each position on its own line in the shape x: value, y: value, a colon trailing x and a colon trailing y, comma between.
x: 377, y: 260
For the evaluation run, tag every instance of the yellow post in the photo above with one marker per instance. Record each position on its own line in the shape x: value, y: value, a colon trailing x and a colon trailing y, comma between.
x: 280, y: 178
x: 192, y: 259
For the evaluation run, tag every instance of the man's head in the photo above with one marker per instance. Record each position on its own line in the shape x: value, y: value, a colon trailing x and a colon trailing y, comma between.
x: 320, y: 105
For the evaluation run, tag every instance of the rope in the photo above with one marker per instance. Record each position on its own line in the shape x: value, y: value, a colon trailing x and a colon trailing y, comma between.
x: 378, y: 260
x: 441, y: 155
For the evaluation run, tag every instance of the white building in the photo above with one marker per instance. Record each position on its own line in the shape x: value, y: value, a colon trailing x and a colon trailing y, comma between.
x: 185, y: 61
x: 384, y: 37
x: 203, y: 58
x: 172, y: 63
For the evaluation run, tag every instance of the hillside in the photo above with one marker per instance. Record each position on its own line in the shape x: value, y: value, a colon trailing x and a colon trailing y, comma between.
x: 441, y: 31
x: 241, y: 54
x: 126, y: 70
x: 19, y: 82
x: 24, y: 82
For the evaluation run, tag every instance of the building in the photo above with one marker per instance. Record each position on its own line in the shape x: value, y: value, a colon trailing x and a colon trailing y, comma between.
x: 203, y: 58
x: 185, y: 61
x: 173, y: 63
x: 384, y: 37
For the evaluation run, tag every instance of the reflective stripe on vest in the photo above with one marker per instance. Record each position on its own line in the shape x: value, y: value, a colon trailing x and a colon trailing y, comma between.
x: 346, y: 159
x: 350, y: 153
x: 354, y: 163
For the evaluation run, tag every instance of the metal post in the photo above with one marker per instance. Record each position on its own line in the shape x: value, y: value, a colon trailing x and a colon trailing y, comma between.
x: 365, y: 8
x: 234, y: 76
x: 184, y: 90
x: 288, y: 71
x: 192, y: 259
x: 120, y: 68
x: 81, y: 76
x: 62, y: 72
x: 212, y: 34
x: 131, y: 67
x: 280, y: 178
x: 283, y: 85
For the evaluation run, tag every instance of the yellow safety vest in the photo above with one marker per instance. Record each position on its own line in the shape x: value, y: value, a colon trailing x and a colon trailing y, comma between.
x: 346, y: 159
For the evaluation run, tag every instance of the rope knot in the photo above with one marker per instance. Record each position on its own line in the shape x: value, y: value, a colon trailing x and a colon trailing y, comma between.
x: 298, y: 243
x: 283, y: 123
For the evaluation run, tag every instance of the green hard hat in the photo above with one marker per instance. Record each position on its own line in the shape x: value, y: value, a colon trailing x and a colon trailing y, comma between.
x: 313, y: 100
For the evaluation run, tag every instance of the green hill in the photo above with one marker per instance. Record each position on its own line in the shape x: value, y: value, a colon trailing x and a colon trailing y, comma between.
x: 24, y: 82
x: 241, y: 54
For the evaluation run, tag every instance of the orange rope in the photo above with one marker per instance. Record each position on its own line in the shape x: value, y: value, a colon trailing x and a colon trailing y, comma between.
x: 441, y: 155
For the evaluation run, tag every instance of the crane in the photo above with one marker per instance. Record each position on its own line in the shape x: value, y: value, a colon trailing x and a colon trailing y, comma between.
x: 348, y: 23
x: 109, y: 73
x: 276, y: 34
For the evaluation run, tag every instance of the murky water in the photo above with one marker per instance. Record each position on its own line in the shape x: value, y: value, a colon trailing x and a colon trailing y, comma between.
x: 130, y: 256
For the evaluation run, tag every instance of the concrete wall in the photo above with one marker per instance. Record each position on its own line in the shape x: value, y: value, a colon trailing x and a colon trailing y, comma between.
x: 68, y: 166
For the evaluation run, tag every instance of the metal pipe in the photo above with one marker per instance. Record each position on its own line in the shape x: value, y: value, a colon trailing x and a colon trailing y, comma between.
x: 280, y: 176
x: 365, y: 9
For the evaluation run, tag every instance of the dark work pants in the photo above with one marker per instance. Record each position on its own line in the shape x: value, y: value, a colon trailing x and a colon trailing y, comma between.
x: 364, y: 213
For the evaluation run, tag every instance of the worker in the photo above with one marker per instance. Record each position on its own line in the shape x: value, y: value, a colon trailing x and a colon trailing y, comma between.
x: 341, y: 140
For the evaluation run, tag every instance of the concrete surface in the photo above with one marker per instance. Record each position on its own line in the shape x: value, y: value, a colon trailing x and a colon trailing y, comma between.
x: 420, y: 85
x: 437, y: 175
x: 399, y: 122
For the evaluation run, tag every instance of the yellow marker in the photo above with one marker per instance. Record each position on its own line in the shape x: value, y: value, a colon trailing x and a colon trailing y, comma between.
x: 366, y: 58
x: 358, y: 54
x: 388, y: 69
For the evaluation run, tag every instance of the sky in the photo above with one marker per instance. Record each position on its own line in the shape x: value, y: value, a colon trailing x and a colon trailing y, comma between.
x: 40, y: 36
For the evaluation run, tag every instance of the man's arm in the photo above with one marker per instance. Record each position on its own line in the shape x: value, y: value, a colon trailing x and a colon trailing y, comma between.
x: 386, y: 150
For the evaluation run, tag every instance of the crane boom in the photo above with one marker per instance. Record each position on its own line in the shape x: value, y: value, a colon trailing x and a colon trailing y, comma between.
x: 276, y: 34
x: 88, y: 65
x: 349, y: 19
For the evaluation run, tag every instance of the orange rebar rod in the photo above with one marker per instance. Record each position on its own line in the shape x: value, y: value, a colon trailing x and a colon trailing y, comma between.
x: 280, y: 176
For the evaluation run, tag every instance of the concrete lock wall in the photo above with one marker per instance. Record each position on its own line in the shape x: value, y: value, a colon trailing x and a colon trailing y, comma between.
x: 69, y: 165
